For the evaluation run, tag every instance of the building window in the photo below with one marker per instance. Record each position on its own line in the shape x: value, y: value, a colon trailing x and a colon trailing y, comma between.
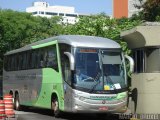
x: 71, y: 15
x: 51, y: 13
x: 139, y: 58
x: 34, y: 13
x: 152, y: 60
x: 147, y: 60
x: 41, y: 12
x: 61, y: 14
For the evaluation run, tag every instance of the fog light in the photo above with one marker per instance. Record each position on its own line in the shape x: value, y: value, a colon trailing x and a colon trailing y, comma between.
x: 76, y: 106
x: 124, y: 108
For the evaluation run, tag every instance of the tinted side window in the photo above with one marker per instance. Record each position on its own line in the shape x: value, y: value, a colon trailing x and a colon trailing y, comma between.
x: 16, y: 62
x: 41, y: 63
x: 51, y: 57
x: 24, y: 57
x: 5, y: 62
x: 20, y: 61
x: 33, y: 59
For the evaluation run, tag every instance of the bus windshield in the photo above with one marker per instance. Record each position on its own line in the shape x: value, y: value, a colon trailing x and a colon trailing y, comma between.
x: 97, y: 69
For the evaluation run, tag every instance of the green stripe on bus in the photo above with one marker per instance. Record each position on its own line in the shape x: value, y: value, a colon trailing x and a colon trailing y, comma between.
x: 44, y: 44
x: 51, y: 83
x: 122, y: 95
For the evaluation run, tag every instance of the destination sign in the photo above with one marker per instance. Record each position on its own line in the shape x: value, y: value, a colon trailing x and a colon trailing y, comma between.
x: 88, y: 51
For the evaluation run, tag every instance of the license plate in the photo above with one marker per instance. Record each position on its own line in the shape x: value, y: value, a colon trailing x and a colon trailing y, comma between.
x: 104, y: 108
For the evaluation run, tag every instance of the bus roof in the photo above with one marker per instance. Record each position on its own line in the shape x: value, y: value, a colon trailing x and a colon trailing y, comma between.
x: 75, y: 41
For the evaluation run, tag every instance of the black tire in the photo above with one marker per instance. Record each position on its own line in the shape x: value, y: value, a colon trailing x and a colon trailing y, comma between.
x: 55, y: 107
x: 16, y: 103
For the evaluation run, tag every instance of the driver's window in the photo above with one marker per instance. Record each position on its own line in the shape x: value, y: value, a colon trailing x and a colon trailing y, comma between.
x: 66, y: 70
x: 65, y: 63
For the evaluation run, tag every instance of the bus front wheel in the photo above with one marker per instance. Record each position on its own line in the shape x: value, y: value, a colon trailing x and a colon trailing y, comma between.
x: 55, y: 107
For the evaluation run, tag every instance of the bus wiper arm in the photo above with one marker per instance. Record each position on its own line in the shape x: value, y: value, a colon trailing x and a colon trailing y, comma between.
x: 99, y: 74
x: 94, y: 86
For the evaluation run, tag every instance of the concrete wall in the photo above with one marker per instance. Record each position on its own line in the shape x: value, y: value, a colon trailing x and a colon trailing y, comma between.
x: 148, y: 85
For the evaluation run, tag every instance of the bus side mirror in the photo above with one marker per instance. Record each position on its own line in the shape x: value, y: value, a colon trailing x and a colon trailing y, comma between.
x: 71, y: 59
x: 131, y: 62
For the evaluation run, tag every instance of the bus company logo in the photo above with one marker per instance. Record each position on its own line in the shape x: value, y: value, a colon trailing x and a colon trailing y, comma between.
x: 102, y: 97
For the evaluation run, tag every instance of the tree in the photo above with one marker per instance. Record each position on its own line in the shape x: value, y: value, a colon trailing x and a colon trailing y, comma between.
x: 150, y: 10
x: 103, y: 26
x: 19, y: 28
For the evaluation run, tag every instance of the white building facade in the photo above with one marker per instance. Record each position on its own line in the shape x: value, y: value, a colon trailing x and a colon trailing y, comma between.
x: 68, y: 14
x: 131, y: 7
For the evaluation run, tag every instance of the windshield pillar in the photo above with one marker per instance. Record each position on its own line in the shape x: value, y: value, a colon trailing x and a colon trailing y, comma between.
x: 101, y: 64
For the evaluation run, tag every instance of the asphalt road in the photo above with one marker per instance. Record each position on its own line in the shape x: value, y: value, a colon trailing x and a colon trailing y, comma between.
x: 42, y: 114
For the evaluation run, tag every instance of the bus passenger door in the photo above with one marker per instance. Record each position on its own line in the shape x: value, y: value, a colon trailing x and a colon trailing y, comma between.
x: 67, y: 84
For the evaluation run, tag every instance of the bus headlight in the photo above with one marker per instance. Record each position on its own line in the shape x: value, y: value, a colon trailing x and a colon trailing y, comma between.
x: 82, y: 98
x: 76, y: 96
x: 79, y: 97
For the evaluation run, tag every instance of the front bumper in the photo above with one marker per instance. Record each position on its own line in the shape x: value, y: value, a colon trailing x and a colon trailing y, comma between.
x: 83, y: 105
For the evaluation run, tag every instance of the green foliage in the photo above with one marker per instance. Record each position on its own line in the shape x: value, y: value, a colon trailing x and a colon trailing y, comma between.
x: 18, y: 29
x: 150, y: 10
x: 103, y: 26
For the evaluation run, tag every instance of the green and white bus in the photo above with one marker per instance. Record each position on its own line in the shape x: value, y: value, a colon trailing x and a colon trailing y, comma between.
x: 43, y: 74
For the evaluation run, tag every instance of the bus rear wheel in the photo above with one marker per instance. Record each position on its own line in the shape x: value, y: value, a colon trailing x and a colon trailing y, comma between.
x: 16, y: 102
x: 55, y: 107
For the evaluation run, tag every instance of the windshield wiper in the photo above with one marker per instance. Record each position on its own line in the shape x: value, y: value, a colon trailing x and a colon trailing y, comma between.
x: 94, y: 86
x: 99, y: 74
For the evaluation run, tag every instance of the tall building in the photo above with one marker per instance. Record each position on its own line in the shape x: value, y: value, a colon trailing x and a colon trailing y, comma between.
x: 120, y: 8
x: 125, y: 8
x: 43, y: 9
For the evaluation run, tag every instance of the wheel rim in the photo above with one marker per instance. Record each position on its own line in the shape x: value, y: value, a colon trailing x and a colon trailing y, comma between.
x: 17, y: 103
x: 55, y: 105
